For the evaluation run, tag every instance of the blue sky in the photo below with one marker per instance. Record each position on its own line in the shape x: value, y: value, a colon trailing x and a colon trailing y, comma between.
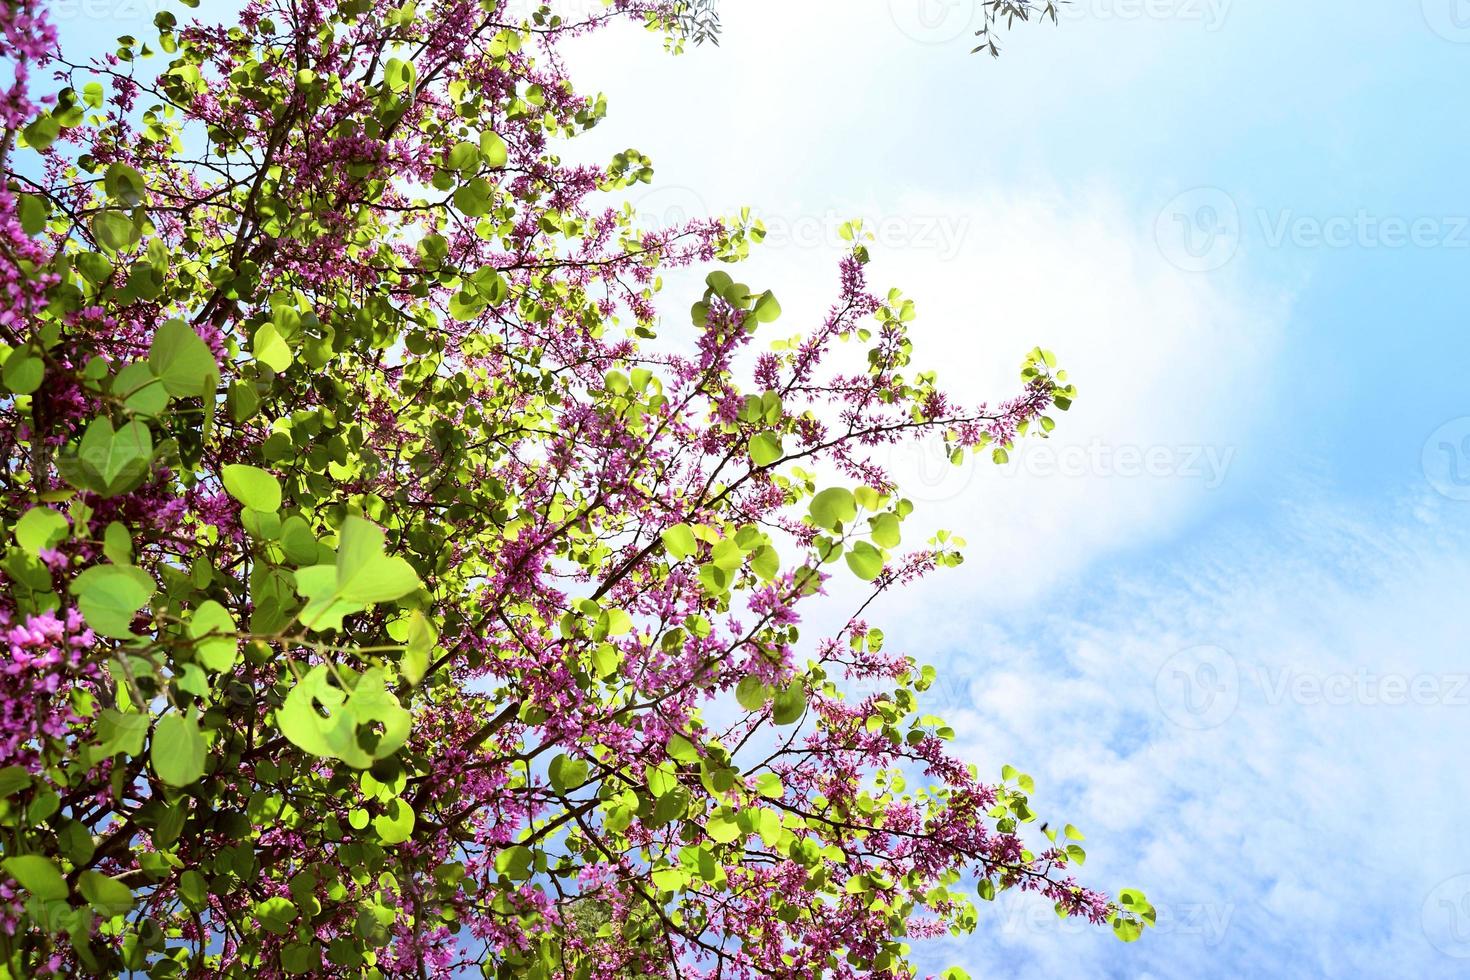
x: 1220, y: 616
x: 1240, y: 668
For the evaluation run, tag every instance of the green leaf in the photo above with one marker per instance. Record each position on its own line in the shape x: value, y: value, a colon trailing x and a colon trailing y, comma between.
x: 833, y: 507
x: 42, y: 132
x: 767, y: 310
x: 13, y: 779
x: 680, y: 542
x: 473, y: 197
x: 421, y: 639
x: 23, y: 371
x: 395, y: 824
x: 298, y: 541
x: 364, y: 572
x: 117, y: 544
x: 114, y: 231
x: 723, y: 829
x: 363, y: 575
x: 212, y: 628
x: 108, y: 896
x: 324, y: 720
x: 271, y: 350
x: 465, y: 306
x: 886, y: 533
x: 769, y: 785
x: 124, y: 185
x: 178, y: 749
x: 276, y: 914
x: 193, y: 889
x: 493, y: 148
x: 865, y: 561
x: 765, y: 448
x: 253, y: 487
x: 789, y: 705
x: 35, y: 211
x: 515, y: 862
x: 766, y: 562
x: 141, y: 390
x: 567, y: 773
x: 109, y: 596
x: 670, y: 879
x: 753, y: 693
x: 38, y: 876
x: 110, y: 461
x: 120, y: 732
x: 463, y: 156
x: 301, y: 959
x: 41, y: 527
x: 183, y: 361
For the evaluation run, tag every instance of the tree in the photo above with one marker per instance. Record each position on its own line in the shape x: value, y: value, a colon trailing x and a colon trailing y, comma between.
x: 390, y: 591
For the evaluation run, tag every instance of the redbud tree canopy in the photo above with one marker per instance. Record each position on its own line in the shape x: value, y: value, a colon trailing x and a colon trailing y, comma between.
x: 391, y: 589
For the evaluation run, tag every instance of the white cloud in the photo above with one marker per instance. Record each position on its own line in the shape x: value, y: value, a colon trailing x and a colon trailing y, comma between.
x: 997, y: 265
x: 1315, y: 820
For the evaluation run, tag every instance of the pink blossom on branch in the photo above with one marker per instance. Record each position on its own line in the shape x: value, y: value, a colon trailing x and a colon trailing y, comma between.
x: 427, y: 607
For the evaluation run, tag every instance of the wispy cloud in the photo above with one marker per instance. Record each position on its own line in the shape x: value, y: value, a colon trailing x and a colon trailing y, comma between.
x: 1268, y: 738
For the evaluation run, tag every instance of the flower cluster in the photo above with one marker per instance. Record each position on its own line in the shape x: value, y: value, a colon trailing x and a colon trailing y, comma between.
x: 50, y: 663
